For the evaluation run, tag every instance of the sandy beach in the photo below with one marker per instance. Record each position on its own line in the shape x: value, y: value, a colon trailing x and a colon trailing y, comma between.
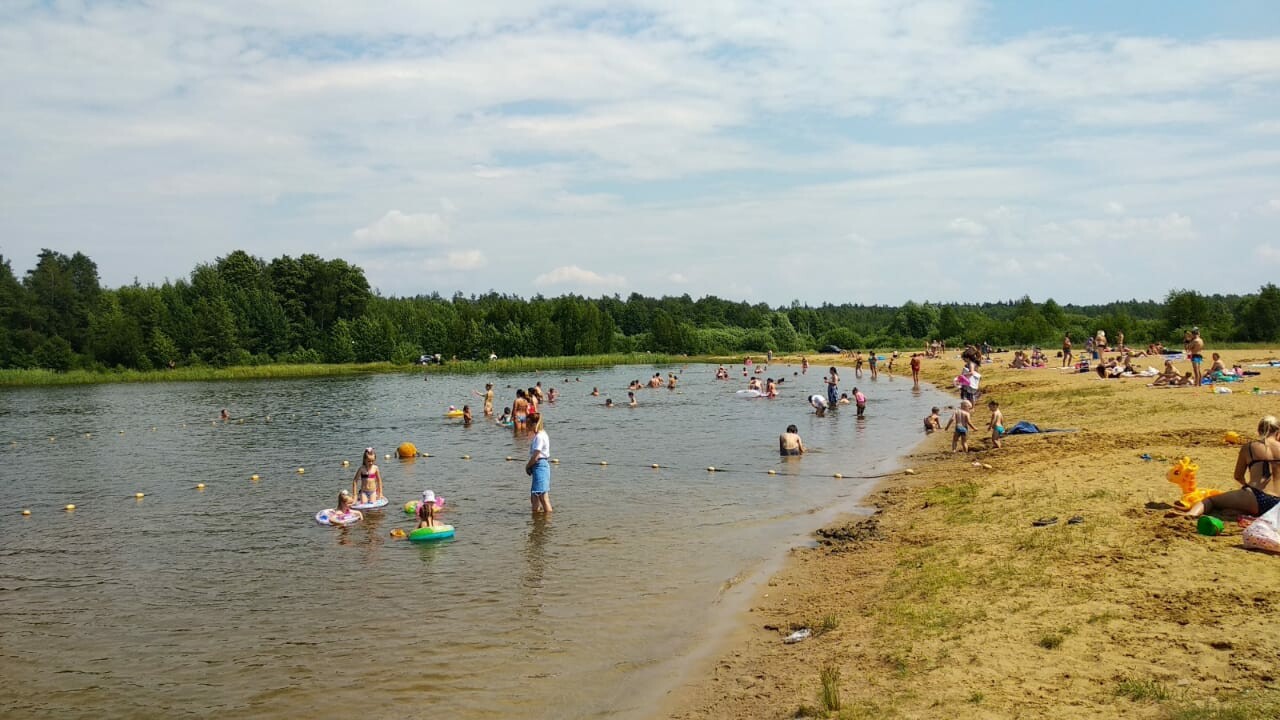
x: 950, y: 601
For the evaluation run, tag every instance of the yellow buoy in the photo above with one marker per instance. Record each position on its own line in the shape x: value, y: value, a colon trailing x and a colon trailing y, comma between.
x: 838, y: 476
x: 407, y: 450
x: 301, y: 470
x: 346, y: 463
x: 466, y: 457
x: 26, y: 512
x: 253, y: 477
x: 199, y: 486
x: 139, y: 495
x: 773, y: 472
x: 69, y: 508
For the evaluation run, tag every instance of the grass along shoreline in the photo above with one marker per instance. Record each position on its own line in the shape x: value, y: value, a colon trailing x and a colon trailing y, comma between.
x: 45, y: 378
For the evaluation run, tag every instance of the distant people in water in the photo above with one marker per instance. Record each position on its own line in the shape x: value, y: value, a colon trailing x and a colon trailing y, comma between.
x: 224, y: 414
x: 789, y: 442
x: 860, y: 401
x: 819, y: 404
x: 466, y: 416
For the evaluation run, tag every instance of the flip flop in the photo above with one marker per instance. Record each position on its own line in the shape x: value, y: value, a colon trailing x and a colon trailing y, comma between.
x: 1075, y: 520
x: 1042, y: 522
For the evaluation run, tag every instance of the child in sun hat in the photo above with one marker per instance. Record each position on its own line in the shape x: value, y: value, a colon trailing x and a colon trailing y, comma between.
x: 427, y: 510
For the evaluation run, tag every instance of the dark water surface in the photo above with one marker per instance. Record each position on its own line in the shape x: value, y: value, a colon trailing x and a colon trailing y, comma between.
x: 231, y: 601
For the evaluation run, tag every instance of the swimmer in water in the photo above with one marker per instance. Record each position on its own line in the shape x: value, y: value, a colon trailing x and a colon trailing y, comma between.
x: 427, y: 511
x: 367, y: 484
x: 631, y: 399
x: 789, y: 442
x: 344, y: 508
x: 225, y: 415
x: 595, y: 392
x: 506, y: 416
x: 608, y: 402
x: 466, y: 416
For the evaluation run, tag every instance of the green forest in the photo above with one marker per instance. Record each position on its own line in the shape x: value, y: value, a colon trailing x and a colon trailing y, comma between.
x: 243, y: 310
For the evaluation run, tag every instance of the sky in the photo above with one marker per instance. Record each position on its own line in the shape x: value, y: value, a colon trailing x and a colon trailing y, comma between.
x: 862, y: 151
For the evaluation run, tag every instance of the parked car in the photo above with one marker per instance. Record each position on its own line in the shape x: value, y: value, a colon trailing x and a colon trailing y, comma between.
x: 430, y: 359
x: 831, y: 350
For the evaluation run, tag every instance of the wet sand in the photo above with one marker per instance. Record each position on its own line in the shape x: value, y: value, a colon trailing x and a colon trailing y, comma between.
x: 950, y: 601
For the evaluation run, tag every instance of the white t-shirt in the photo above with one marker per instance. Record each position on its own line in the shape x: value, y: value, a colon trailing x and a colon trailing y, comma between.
x: 817, y: 401
x: 540, y: 446
x: 974, y: 378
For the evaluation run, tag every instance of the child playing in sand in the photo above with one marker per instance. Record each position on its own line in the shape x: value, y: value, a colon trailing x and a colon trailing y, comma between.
x: 933, y: 422
x: 963, y: 423
x: 996, y: 423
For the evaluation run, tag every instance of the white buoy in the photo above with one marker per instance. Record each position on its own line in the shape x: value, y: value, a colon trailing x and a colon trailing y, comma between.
x: 838, y: 476
x: 711, y: 468
x: 199, y: 486
x: 346, y: 463
x: 387, y: 456
x: 604, y: 462
x: 26, y: 512
x: 655, y: 466
x: 509, y: 458
x: 555, y: 461
x: 773, y: 472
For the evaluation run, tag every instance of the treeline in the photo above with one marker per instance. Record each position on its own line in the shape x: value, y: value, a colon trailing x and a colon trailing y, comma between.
x: 242, y: 310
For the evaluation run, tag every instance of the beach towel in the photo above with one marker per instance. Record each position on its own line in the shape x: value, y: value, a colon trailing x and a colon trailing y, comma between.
x: 1022, y: 428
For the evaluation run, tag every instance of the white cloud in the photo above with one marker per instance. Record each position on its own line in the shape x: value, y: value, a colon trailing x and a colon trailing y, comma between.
x: 1113, y: 208
x: 677, y: 278
x: 574, y: 276
x: 459, y: 260
x: 1268, y: 253
x: 397, y: 230
x: 965, y: 226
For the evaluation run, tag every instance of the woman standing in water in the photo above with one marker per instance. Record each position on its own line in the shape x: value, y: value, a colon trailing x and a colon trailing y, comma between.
x: 539, y: 467
x: 833, y: 387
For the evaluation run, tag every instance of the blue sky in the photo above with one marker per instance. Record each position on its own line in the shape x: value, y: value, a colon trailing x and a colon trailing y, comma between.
x: 861, y: 151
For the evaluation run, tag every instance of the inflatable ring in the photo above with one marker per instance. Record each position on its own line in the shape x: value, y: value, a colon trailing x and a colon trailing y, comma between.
x: 411, y: 506
x: 336, y: 519
x: 453, y: 413
x: 375, y: 505
x: 428, y: 534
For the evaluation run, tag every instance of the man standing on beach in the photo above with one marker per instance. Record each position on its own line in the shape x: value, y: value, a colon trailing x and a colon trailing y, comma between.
x: 1194, y: 348
x: 1066, y: 349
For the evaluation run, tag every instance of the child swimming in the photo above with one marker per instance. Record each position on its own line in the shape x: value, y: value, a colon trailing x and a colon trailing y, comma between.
x: 427, y: 510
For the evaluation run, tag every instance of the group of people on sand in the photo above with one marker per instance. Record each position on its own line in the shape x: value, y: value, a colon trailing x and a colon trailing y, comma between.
x: 961, y: 423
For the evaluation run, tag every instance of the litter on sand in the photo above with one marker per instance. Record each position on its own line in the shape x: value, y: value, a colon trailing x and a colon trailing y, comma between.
x: 797, y: 636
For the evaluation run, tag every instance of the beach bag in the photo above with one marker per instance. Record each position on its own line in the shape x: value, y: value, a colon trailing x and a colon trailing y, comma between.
x: 1264, y: 533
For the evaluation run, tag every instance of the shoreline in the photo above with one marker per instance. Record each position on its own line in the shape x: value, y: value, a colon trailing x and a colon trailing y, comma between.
x: 949, y: 599
x: 730, y: 626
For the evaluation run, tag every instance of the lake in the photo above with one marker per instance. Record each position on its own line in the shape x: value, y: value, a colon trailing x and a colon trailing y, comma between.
x: 232, y: 601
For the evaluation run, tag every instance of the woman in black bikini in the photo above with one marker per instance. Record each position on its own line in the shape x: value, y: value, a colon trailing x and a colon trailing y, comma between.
x: 1256, y: 470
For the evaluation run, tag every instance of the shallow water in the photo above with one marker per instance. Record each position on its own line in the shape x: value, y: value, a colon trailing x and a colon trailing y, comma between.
x: 231, y: 600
